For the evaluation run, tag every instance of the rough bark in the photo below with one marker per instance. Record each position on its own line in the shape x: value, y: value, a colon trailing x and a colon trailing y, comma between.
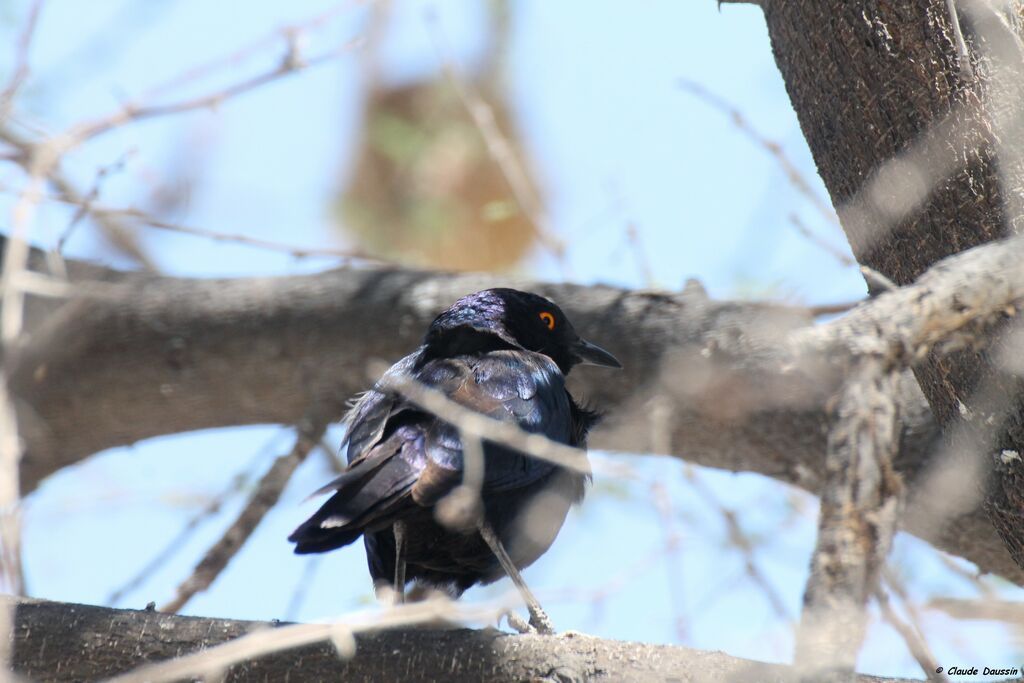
x: 859, y: 515
x: 874, y: 80
x: 66, y: 642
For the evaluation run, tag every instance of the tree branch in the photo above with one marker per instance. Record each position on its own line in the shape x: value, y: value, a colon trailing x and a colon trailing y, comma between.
x: 57, y: 642
x: 266, y: 495
x: 156, y: 355
x: 859, y: 514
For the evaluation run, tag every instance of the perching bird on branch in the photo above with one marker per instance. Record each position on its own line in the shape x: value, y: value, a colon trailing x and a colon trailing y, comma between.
x: 499, y: 352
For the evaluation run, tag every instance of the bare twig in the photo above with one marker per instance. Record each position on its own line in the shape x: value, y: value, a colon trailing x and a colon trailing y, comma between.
x: 85, y: 205
x: 291, y: 63
x: 10, y: 522
x: 833, y: 309
x: 238, y: 484
x: 67, y: 192
x: 266, y: 495
x: 122, y: 219
x: 21, y: 68
x: 739, y: 540
x: 973, y: 577
x: 38, y: 284
x: 912, y: 637
x: 895, y: 584
x: 643, y: 263
x: 12, y: 301
x: 796, y: 178
x: 966, y: 69
x: 832, y: 250
x: 663, y: 505
x: 296, y: 251
x: 469, y: 422
x: 259, y: 45
x: 878, y: 281
x: 986, y: 609
x: 302, y: 587
x: 47, y: 153
x: 463, y: 506
x: 501, y: 150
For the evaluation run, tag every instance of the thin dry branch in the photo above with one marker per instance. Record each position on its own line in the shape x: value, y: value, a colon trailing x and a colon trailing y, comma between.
x: 115, y: 221
x: 915, y: 643
x: 501, y: 151
x: 987, y: 609
x: 115, y: 232
x: 291, y: 63
x: 841, y: 256
x: 478, y: 426
x: 267, y: 492
x: 739, y: 540
x: 296, y: 251
x: 12, y: 318
x: 238, y: 483
x: 793, y: 174
x: 258, y: 46
x: 21, y: 63
x: 48, y: 151
x: 966, y: 68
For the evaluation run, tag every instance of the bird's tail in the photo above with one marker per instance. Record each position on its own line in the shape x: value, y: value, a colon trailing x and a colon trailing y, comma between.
x: 314, y: 536
x: 367, y: 497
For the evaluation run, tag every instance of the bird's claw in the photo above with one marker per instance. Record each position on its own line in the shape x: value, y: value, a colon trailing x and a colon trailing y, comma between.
x: 519, y: 624
x: 541, y: 624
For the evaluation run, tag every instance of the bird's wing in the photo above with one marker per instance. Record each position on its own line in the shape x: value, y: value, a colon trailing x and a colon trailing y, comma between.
x: 400, y: 455
x: 368, y: 495
x: 385, y: 448
x: 373, y: 412
x: 513, y: 386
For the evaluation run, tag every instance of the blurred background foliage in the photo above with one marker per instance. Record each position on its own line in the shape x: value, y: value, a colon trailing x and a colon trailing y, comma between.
x: 424, y: 187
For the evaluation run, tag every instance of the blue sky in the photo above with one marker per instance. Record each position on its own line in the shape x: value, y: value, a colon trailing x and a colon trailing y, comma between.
x: 595, y: 90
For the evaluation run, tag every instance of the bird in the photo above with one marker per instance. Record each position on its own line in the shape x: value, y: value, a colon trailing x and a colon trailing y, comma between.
x: 501, y: 352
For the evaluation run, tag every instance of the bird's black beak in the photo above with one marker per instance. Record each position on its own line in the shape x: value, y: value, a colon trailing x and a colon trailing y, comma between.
x: 592, y: 354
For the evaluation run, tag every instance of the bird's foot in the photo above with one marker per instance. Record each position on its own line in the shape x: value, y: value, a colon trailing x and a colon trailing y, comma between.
x: 540, y: 621
x: 539, y: 624
x: 517, y: 623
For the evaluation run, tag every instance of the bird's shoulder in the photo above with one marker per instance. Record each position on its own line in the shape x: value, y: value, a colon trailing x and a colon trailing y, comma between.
x: 511, y: 385
x: 376, y: 410
x: 519, y: 386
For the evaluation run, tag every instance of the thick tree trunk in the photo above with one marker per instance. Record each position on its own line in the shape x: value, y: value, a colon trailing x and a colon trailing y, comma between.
x: 872, y: 81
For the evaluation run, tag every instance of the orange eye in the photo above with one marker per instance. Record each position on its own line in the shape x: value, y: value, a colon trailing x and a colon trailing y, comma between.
x: 548, y: 319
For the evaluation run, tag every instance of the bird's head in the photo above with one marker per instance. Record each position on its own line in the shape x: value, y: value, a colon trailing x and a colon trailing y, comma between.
x: 508, y: 318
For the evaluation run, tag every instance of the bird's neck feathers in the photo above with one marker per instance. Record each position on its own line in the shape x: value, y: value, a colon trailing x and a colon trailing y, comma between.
x: 463, y: 339
x: 583, y: 420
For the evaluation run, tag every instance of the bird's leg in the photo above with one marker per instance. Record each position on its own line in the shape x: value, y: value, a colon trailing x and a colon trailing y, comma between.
x: 398, y: 529
x: 538, y: 617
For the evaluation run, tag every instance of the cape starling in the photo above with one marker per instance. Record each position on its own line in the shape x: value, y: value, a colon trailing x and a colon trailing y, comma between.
x: 499, y: 352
